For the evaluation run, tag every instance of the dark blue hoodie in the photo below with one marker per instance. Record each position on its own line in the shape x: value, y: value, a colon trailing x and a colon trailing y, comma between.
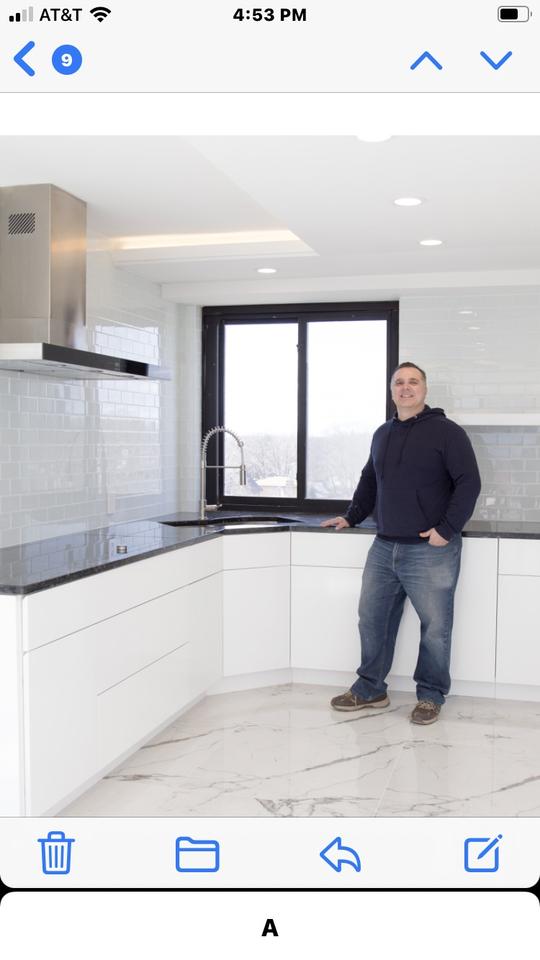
x: 421, y: 473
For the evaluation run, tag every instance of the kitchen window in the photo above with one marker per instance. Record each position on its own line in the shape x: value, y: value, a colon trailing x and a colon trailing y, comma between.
x: 304, y: 386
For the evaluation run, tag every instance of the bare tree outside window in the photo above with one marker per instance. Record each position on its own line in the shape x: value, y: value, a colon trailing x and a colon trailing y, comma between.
x: 261, y: 398
x: 346, y: 402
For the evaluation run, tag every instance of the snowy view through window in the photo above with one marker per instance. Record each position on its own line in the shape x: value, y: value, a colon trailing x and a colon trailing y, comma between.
x: 345, y: 403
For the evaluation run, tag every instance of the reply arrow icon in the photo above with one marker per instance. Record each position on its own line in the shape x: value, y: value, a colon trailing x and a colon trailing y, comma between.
x: 20, y: 61
x: 340, y: 855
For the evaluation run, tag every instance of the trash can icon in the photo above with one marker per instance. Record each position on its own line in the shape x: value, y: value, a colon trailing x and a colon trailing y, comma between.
x: 56, y: 852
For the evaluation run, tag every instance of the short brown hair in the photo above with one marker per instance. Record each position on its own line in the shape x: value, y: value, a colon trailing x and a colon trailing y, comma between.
x: 409, y: 364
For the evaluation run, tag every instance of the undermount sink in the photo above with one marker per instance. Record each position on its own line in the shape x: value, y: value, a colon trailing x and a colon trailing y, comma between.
x: 227, y: 522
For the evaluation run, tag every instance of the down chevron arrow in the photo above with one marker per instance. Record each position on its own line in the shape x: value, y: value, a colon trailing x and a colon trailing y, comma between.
x: 492, y: 63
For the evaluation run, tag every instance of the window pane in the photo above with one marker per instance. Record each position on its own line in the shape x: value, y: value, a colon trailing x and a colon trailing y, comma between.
x: 261, y: 399
x: 346, y: 403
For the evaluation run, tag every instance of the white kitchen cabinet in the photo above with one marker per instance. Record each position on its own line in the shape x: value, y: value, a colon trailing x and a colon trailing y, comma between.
x: 95, y: 694
x: 60, y: 720
x: 131, y: 711
x: 518, y: 631
x: 519, y: 557
x: 333, y: 548
x: 11, y: 719
x: 255, y: 619
x: 54, y: 613
x: 324, y: 618
x: 270, y: 549
x: 154, y: 660
x: 204, y: 614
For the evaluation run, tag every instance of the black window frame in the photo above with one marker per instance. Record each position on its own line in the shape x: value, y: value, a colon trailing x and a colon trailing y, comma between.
x: 214, y: 321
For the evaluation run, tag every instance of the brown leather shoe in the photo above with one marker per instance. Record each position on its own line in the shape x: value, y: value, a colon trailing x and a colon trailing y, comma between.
x: 349, y: 701
x: 425, y: 711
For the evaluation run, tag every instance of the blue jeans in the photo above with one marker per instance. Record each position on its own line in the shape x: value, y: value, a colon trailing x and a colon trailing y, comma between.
x: 428, y: 576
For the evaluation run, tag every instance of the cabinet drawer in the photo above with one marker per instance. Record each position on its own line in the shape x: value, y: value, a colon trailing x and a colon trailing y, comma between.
x: 332, y: 549
x: 256, y: 550
x: 519, y: 557
x: 130, y: 712
x: 72, y: 606
x: 134, y: 639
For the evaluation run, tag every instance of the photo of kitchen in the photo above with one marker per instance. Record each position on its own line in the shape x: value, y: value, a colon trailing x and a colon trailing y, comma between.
x: 269, y: 476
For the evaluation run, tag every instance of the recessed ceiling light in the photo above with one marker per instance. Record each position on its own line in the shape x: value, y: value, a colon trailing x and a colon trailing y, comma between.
x: 473, y: 328
x: 266, y: 270
x: 430, y: 243
x: 408, y: 201
x: 466, y: 313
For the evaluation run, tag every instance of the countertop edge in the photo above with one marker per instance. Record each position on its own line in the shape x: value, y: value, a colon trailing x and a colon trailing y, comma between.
x: 208, y: 535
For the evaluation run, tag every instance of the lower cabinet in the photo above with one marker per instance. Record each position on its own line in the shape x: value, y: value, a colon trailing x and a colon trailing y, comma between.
x: 518, y: 631
x: 60, y: 720
x: 95, y: 694
x: 324, y: 618
x: 255, y: 620
x: 129, y: 711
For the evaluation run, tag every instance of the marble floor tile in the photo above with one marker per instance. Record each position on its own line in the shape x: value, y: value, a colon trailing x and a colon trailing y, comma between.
x: 283, y: 752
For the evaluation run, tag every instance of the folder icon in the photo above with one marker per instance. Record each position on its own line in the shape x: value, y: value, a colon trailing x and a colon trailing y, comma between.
x: 197, y: 856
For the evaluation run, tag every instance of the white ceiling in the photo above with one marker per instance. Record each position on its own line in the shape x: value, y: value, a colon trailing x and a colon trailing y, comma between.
x: 334, y: 193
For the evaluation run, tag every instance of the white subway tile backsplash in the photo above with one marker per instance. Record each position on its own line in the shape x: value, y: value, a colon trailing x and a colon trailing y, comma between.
x: 68, y: 449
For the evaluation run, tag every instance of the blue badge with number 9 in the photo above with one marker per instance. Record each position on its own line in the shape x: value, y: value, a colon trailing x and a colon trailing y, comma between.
x: 66, y: 59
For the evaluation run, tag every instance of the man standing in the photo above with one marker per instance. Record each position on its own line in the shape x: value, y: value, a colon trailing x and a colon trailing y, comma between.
x: 421, y: 482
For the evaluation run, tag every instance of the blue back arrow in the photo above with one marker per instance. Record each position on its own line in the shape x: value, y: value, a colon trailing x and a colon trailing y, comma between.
x: 18, y: 58
x: 423, y: 56
x: 350, y: 856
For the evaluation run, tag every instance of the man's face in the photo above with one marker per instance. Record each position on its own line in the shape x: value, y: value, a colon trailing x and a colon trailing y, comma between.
x: 408, y: 391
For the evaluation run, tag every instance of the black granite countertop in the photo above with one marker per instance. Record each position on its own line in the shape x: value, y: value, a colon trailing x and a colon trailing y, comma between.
x: 48, y: 563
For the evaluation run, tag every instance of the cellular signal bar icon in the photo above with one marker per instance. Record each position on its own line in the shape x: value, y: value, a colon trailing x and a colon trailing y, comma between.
x: 25, y: 16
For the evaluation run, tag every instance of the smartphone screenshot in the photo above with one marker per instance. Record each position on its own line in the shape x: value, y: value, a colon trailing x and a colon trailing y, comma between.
x: 269, y: 477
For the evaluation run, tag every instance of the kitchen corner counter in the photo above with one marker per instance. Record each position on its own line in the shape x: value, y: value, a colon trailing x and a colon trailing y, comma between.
x: 43, y: 564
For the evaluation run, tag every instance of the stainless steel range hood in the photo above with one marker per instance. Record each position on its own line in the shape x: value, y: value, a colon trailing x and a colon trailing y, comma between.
x: 43, y: 289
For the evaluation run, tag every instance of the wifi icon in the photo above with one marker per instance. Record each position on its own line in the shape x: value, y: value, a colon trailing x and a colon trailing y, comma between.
x: 100, y: 13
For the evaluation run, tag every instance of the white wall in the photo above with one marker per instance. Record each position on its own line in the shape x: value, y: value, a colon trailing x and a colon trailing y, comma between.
x: 76, y: 455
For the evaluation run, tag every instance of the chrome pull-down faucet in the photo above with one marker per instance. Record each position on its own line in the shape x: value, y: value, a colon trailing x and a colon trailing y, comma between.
x: 218, y: 466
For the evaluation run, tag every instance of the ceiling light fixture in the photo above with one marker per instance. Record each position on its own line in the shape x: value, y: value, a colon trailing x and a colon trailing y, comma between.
x: 430, y: 243
x: 165, y: 241
x: 408, y: 201
x: 266, y: 270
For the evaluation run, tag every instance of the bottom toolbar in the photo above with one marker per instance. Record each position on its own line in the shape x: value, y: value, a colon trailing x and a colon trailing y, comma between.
x: 256, y: 853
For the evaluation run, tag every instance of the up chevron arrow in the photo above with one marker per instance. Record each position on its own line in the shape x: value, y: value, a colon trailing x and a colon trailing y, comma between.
x: 426, y: 55
x: 493, y: 63
x: 21, y: 62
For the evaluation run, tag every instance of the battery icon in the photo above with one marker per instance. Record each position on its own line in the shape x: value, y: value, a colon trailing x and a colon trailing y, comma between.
x: 515, y: 14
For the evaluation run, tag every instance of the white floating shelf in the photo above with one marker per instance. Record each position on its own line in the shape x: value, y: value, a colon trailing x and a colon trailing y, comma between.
x: 484, y: 419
